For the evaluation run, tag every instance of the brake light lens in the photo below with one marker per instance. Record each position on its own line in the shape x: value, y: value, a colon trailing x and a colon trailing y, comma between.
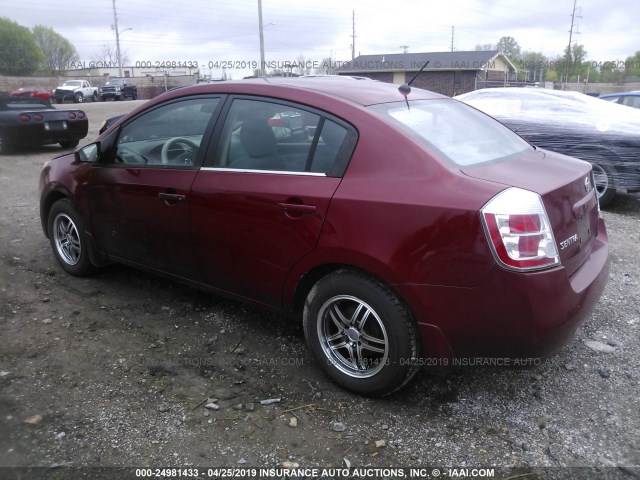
x: 24, y: 117
x: 37, y: 117
x: 519, y: 231
x: 71, y: 115
x: 81, y: 115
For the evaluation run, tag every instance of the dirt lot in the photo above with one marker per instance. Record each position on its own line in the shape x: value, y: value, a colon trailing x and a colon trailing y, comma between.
x: 117, y: 370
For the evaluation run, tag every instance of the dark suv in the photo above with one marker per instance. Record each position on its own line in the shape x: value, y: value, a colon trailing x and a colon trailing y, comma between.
x: 118, y: 88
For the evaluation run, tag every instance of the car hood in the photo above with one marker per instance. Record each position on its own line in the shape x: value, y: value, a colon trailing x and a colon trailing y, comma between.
x: 66, y: 87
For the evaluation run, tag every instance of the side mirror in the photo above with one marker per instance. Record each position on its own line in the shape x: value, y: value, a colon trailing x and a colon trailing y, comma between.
x: 89, y: 153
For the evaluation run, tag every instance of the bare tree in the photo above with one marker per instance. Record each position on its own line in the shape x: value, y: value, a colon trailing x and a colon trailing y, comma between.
x: 108, y: 55
x: 325, y: 67
x: 302, y: 66
x: 58, y: 51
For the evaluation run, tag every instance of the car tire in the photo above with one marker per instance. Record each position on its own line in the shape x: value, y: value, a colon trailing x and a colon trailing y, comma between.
x: 374, y: 348
x: 59, y: 100
x: 94, y: 97
x: 68, y: 239
x: 69, y: 143
x: 78, y: 98
x: 134, y: 96
x: 5, y: 148
x: 602, y: 177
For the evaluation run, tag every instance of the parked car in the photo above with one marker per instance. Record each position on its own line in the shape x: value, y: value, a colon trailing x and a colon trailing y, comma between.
x: 41, y: 93
x: 630, y: 99
x: 574, y: 124
x: 118, y: 89
x: 108, y: 122
x: 27, y: 121
x: 401, y: 228
x: 77, y: 91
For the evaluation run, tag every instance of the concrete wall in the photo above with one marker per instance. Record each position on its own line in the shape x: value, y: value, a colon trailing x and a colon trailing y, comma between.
x: 148, y: 87
x: 603, y: 88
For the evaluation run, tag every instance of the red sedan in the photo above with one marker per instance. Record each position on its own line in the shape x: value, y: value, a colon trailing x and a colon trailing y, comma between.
x: 401, y: 227
x: 41, y: 93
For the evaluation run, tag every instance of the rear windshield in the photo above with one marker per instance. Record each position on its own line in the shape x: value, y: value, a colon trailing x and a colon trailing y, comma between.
x: 454, y: 130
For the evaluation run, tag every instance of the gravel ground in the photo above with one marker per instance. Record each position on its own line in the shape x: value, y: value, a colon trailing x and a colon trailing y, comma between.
x: 128, y: 369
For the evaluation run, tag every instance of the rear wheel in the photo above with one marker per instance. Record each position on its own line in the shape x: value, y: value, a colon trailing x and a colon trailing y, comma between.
x: 94, y: 97
x: 361, y: 332
x: 5, y: 148
x: 68, y: 239
x: 69, y: 143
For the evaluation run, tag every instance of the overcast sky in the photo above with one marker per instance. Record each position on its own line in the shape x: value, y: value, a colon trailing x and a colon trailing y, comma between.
x: 227, y: 30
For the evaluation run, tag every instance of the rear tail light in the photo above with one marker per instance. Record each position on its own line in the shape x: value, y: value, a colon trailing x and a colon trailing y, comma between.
x: 24, y: 117
x: 81, y: 115
x: 36, y: 117
x: 71, y: 115
x: 519, y: 231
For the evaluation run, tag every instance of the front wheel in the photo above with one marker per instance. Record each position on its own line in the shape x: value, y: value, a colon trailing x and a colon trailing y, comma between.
x: 602, y: 177
x: 361, y: 332
x: 68, y: 239
x: 78, y: 98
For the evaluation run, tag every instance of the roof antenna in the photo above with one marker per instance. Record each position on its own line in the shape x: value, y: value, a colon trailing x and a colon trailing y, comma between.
x: 405, y: 88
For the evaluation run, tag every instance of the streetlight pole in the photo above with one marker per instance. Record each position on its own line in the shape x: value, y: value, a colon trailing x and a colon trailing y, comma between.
x: 261, y: 30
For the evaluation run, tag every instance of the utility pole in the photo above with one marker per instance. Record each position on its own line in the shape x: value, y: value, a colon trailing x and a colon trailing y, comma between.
x: 353, y: 35
x: 261, y: 29
x: 115, y: 27
x: 453, y: 28
x: 568, y: 59
x: 405, y: 48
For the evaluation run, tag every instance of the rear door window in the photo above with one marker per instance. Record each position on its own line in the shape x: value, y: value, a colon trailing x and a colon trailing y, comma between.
x: 261, y: 135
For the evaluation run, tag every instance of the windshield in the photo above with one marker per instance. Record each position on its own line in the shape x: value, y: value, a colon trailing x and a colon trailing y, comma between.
x: 459, y: 133
x: 73, y: 84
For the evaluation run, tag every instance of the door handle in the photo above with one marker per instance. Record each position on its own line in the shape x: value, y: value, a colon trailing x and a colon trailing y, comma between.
x: 295, y: 209
x: 170, y: 198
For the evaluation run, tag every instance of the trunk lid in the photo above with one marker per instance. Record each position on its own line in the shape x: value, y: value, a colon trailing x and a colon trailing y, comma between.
x: 567, y: 190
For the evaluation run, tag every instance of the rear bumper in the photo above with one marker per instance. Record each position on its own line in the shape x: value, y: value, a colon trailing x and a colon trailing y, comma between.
x: 511, y: 315
x: 28, y: 135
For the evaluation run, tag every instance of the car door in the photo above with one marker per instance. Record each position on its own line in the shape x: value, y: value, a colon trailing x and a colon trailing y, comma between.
x: 258, y: 205
x: 140, y: 192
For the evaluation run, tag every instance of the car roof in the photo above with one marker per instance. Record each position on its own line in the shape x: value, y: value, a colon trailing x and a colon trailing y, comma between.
x: 635, y: 93
x: 359, y: 91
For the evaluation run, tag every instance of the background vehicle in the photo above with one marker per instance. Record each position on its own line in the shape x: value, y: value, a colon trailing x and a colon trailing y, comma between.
x: 630, y: 99
x: 41, y: 93
x: 604, y: 134
x: 393, y: 234
x: 26, y: 121
x: 76, y: 90
x: 118, y: 89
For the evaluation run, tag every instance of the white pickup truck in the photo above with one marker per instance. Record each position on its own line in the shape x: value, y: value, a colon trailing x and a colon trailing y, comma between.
x: 76, y: 90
